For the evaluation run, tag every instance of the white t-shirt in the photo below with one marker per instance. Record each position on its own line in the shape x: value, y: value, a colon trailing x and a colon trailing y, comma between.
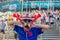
x: 47, y: 19
x: 51, y: 19
x: 3, y: 17
x: 54, y: 14
x: 43, y: 15
x: 6, y: 17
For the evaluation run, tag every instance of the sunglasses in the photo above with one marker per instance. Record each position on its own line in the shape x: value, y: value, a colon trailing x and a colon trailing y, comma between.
x: 25, y: 20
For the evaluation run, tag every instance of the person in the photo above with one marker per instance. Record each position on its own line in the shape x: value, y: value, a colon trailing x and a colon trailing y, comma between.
x: 2, y: 28
x: 51, y: 19
x: 3, y: 25
x: 43, y: 15
x: 27, y: 31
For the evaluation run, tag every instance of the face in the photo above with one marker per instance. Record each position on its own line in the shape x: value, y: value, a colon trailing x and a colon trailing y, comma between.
x: 27, y: 25
x: 27, y: 22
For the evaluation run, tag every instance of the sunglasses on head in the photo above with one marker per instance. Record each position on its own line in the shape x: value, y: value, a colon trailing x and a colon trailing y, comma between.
x: 25, y: 20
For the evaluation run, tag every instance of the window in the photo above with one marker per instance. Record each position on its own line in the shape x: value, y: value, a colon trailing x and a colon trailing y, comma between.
x: 55, y: 0
x: 38, y: 0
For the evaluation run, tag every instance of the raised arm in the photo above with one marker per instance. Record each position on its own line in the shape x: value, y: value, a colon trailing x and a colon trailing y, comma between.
x: 43, y: 26
x: 14, y: 22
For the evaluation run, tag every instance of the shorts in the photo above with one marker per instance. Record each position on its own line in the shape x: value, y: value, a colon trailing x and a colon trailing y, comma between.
x: 3, y: 31
x: 52, y: 23
x: 47, y: 23
x: 58, y: 19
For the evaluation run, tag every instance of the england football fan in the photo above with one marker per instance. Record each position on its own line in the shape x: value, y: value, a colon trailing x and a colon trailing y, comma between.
x: 27, y: 31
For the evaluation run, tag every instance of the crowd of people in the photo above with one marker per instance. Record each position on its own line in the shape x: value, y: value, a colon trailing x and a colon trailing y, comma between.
x: 47, y: 17
x: 50, y: 16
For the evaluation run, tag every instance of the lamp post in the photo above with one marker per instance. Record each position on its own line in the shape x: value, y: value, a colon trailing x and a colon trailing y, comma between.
x: 26, y: 5
x: 21, y: 7
x: 48, y: 5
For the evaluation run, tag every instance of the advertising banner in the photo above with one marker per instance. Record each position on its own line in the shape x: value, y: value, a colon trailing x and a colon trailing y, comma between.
x: 10, y: 6
x: 16, y: 5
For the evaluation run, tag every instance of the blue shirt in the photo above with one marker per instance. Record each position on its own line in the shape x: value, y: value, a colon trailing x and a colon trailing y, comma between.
x: 27, y: 35
x: 3, y: 26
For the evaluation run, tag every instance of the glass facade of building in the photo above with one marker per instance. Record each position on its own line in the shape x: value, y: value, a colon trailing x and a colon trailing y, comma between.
x: 29, y: 4
x: 28, y: 0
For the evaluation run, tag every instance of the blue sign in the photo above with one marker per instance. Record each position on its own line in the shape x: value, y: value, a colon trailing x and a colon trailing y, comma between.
x: 13, y: 6
x: 34, y: 4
